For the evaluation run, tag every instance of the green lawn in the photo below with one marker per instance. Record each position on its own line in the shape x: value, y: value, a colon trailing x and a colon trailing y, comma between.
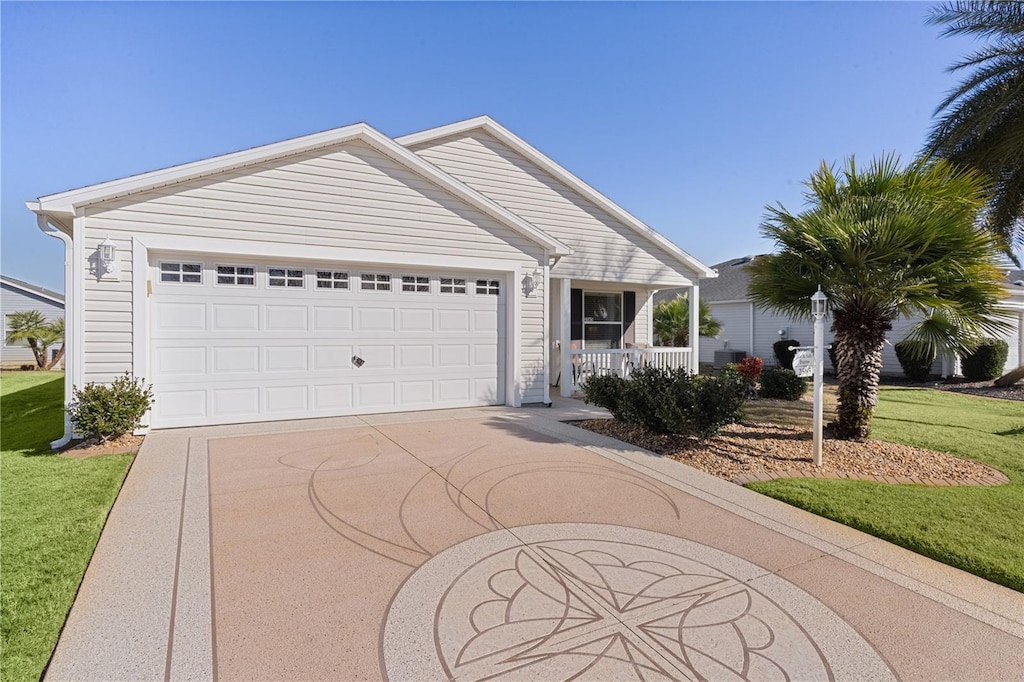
x: 52, y: 509
x: 978, y: 529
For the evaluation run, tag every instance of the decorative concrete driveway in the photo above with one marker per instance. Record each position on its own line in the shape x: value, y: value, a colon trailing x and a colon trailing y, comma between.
x: 497, y: 543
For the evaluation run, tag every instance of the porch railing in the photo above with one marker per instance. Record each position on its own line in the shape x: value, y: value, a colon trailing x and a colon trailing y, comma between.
x: 621, y: 362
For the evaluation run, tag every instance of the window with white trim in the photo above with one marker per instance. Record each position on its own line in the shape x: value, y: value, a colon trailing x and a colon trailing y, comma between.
x: 491, y: 287
x: 331, y: 279
x: 375, y: 282
x: 416, y: 284
x: 238, y: 275
x: 453, y: 285
x: 286, y: 277
x: 181, y: 273
x: 602, y: 320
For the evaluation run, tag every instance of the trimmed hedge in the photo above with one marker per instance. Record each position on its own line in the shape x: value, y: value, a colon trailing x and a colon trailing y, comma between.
x: 986, y: 362
x: 783, y: 384
x: 783, y: 355
x: 670, y: 401
x: 916, y: 358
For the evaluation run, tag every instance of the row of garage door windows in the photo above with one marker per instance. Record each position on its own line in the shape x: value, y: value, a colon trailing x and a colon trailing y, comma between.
x: 245, y: 275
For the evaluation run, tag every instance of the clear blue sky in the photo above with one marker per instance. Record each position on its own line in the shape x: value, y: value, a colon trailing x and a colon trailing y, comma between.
x: 692, y: 116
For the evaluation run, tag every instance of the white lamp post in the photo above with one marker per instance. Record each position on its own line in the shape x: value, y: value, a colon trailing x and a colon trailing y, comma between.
x: 818, y: 306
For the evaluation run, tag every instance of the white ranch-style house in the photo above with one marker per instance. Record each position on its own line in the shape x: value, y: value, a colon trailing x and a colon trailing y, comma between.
x: 749, y: 329
x: 346, y: 272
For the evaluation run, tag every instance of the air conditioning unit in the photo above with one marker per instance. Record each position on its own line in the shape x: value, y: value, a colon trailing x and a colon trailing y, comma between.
x: 724, y: 357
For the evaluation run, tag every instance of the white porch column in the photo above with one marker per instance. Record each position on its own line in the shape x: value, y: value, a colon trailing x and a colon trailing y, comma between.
x: 694, y: 328
x: 565, y: 386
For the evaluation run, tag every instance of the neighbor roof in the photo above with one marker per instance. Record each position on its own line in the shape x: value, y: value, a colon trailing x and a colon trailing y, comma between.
x: 33, y: 289
x: 730, y: 285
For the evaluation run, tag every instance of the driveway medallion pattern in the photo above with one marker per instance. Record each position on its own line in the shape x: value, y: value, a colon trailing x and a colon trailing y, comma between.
x: 589, y: 601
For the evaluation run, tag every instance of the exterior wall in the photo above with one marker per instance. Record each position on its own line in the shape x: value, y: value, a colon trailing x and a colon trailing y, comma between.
x: 342, y: 198
x: 605, y: 249
x: 735, y: 333
x: 14, y: 300
x: 735, y: 320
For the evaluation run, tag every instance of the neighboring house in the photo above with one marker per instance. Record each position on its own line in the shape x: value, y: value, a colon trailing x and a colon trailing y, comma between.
x: 752, y: 330
x: 346, y: 272
x: 16, y: 297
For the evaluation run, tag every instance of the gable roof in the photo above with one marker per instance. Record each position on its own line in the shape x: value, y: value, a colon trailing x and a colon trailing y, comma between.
x: 489, y: 125
x: 32, y: 289
x: 66, y: 203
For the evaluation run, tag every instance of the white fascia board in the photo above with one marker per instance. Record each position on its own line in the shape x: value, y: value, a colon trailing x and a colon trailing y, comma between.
x: 66, y: 203
x: 489, y: 125
x: 32, y: 292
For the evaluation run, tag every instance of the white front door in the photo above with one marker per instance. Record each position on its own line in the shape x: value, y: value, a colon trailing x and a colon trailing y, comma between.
x: 242, y: 340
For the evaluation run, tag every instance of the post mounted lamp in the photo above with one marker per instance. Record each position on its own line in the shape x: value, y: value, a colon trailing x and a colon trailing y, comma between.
x: 819, y: 305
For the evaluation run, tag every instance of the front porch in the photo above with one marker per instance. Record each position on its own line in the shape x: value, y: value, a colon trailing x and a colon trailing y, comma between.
x: 607, y: 328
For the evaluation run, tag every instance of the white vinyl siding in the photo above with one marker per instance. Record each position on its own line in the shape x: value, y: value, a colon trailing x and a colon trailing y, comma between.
x: 605, y: 248
x: 735, y: 321
x: 346, y: 197
x: 14, y: 300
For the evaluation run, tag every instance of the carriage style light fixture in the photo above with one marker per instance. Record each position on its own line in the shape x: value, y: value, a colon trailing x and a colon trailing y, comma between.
x: 530, y: 281
x: 818, y: 303
x: 106, y: 258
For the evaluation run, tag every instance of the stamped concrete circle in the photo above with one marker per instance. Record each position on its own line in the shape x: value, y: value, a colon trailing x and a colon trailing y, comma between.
x: 586, y: 601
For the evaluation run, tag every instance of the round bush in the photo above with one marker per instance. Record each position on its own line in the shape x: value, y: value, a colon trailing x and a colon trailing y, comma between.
x: 783, y: 355
x: 986, y: 361
x: 783, y: 384
x: 106, y: 412
x: 833, y: 356
x: 916, y: 358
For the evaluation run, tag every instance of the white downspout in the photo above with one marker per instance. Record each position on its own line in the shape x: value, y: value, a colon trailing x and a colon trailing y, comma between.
x: 69, y: 324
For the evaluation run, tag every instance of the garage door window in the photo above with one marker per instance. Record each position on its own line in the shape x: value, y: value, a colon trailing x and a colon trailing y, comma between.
x: 453, y: 285
x: 375, y: 282
x: 238, y: 275
x: 282, y: 277
x: 181, y: 273
x: 416, y: 284
x: 331, y: 279
x: 490, y: 287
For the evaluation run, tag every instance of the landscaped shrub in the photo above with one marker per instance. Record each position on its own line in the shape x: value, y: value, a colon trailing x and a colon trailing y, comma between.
x: 986, y: 361
x: 106, y: 412
x: 670, y: 401
x: 783, y: 355
x: 605, y: 391
x: 750, y: 370
x: 916, y: 358
x: 715, y: 402
x: 783, y: 384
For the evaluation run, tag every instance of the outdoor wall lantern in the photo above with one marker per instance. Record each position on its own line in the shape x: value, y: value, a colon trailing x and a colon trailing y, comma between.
x: 106, y: 258
x: 530, y: 282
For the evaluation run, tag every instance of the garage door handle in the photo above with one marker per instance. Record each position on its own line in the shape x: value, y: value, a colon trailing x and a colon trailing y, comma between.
x: 358, y: 361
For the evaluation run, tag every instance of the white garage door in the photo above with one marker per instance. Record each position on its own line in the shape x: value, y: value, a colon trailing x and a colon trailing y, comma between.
x: 236, y: 340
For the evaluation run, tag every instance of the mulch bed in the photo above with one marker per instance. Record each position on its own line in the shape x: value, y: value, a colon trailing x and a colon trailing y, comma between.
x: 127, y: 444
x: 983, y: 388
x: 761, y: 451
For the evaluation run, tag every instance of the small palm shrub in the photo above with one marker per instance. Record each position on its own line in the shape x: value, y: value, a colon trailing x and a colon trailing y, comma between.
x: 783, y: 355
x: 106, y: 412
x: 670, y: 401
x: 916, y: 358
x: 986, y: 361
x: 782, y: 384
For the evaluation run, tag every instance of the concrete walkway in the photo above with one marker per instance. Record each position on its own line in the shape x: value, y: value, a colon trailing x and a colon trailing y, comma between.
x: 498, y: 543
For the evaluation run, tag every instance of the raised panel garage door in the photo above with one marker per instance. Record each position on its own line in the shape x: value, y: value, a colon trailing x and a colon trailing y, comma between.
x: 236, y: 340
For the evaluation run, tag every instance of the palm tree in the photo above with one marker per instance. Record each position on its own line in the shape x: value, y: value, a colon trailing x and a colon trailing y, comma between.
x: 672, y: 322
x: 884, y: 242
x: 30, y: 326
x: 982, y: 120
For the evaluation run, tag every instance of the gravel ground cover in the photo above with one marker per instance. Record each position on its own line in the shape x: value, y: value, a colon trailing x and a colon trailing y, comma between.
x: 755, y: 447
x: 984, y: 389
